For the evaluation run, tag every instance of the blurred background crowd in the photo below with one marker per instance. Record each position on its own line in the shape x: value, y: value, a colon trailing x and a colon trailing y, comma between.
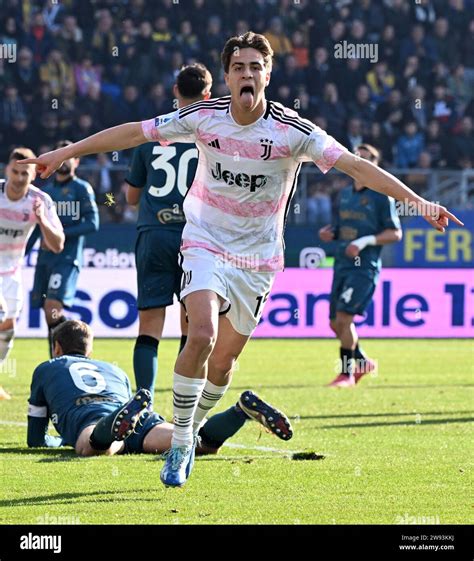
x: 85, y: 65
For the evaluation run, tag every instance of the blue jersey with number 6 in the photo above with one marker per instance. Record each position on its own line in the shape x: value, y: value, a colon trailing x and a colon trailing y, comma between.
x: 62, y: 387
x: 165, y: 173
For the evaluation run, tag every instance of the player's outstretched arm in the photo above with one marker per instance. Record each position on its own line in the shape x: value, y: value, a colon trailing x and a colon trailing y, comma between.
x: 380, y: 180
x: 120, y: 137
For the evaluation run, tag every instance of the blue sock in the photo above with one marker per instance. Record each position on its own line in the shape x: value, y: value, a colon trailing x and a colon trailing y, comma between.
x: 222, y: 426
x: 145, y: 362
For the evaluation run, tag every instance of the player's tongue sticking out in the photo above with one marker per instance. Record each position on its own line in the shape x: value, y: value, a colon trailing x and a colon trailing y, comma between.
x: 247, y: 96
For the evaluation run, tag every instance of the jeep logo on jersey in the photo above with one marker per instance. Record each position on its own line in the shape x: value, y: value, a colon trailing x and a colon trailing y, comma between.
x: 252, y: 182
x: 266, y: 144
x: 10, y: 232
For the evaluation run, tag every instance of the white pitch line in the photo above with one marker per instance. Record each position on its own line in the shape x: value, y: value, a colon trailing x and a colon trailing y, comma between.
x: 14, y: 423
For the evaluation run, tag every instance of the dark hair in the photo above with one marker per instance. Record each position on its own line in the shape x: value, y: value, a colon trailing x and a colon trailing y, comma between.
x: 193, y: 80
x: 374, y: 153
x: 21, y: 153
x: 63, y: 143
x: 249, y: 40
x: 74, y: 336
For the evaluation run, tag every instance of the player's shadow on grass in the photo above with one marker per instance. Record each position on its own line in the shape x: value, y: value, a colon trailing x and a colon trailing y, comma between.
x: 56, y: 453
x: 412, y: 413
x: 66, y: 498
x: 399, y: 423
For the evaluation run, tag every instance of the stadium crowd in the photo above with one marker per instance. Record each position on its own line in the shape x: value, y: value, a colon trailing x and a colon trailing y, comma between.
x: 84, y: 66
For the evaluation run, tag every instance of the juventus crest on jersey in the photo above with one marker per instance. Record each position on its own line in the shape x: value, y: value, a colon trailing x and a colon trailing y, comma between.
x: 246, y: 175
x: 17, y: 220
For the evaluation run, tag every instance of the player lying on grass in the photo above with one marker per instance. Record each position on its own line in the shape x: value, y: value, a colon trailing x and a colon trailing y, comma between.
x: 251, y: 151
x: 365, y: 221
x: 22, y: 207
x: 91, y: 406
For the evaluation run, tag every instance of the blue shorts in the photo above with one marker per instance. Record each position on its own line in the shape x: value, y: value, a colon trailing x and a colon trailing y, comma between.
x: 351, y: 291
x: 91, y: 414
x: 55, y: 282
x: 134, y: 443
x: 158, y: 269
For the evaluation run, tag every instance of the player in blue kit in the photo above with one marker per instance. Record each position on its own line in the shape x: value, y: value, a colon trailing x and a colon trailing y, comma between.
x: 56, y: 275
x: 158, y: 180
x: 365, y: 221
x: 92, y: 408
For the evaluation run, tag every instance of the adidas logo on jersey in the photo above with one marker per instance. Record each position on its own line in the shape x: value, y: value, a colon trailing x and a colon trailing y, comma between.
x: 214, y: 144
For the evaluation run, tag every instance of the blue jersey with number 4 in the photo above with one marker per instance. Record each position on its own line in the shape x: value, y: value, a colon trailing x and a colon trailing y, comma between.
x: 62, y: 387
x: 165, y: 173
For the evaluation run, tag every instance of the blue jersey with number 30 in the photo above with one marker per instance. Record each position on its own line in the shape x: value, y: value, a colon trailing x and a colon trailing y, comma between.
x: 165, y: 173
x: 61, y: 387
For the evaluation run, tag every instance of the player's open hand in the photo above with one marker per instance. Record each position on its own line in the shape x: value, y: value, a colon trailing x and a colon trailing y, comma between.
x: 438, y: 216
x: 326, y: 233
x: 48, y: 163
x: 352, y: 251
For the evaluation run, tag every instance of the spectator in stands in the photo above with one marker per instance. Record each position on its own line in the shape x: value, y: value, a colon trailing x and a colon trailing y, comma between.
x: 162, y: 35
x: 388, y: 46
x: 84, y: 127
x: 300, y: 49
x: 378, y: 137
x: 19, y: 134
x: 381, y: 81
x: 103, y: 41
x: 277, y: 38
x: 467, y: 48
x: 424, y: 13
x: 127, y: 33
x: 333, y: 110
x: 187, y: 41
x: 445, y: 44
x: 362, y: 107
x: 353, y: 136
x: 461, y: 86
x: 390, y: 113
x: 11, y: 106
x: 371, y: 12
x: 413, y: 74
x: 70, y: 38
x: 460, y: 148
x: 409, y: 146
x: 319, y: 72
x: 397, y: 13
x: 49, y: 128
x: 53, y: 13
x: 416, y: 108
x: 39, y: 40
x: 435, y: 144
x: 157, y: 101
x: 352, y: 72
x: 57, y: 72
x: 26, y: 76
x: 131, y: 105
x: 99, y: 106
x: 85, y: 74
x: 418, y: 44
x: 442, y: 107
x: 11, y: 34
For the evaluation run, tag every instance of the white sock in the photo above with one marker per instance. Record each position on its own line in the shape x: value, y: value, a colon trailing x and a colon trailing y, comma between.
x: 186, y: 394
x: 211, y: 395
x: 6, y: 343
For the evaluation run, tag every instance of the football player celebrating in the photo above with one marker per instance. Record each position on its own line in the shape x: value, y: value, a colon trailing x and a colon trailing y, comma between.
x: 251, y: 151
x: 22, y: 206
x: 91, y: 406
x: 158, y: 180
x: 366, y: 220
x: 56, y: 275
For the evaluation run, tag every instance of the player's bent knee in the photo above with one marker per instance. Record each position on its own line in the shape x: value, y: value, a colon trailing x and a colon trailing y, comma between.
x: 222, y: 363
x: 202, y: 341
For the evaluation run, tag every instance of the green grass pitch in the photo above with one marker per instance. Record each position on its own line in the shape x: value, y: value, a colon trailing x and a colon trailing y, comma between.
x: 396, y: 448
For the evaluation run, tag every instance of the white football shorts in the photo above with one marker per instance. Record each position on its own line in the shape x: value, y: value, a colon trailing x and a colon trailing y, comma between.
x: 11, y: 295
x: 244, y: 291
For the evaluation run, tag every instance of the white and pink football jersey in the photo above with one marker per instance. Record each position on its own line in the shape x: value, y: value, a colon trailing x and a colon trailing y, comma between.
x: 17, y: 220
x: 246, y: 176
